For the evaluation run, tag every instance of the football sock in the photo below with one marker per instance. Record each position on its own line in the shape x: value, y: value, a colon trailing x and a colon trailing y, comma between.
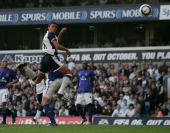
x: 14, y: 115
x: 38, y: 114
x: 49, y: 113
x: 81, y: 111
x: 4, y: 114
x: 90, y: 111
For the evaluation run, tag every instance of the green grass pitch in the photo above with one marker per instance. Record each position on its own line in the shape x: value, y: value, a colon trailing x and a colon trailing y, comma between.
x: 83, y: 129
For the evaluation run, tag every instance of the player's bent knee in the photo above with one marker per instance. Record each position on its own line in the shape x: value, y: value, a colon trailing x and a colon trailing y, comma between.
x: 64, y: 69
x: 39, y: 77
x: 45, y: 100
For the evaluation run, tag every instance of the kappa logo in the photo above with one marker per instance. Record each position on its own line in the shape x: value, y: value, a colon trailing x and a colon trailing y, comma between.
x: 9, y: 58
x: 103, y: 122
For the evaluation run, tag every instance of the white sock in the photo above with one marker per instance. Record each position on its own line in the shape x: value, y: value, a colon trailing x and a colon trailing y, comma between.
x: 31, y: 74
x: 66, y: 81
x: 38, y: 114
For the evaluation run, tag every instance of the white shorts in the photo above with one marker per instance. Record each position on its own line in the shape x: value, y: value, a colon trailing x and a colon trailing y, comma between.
x: 84, y: 98
x: 51, y: 87
x: 4, y: 96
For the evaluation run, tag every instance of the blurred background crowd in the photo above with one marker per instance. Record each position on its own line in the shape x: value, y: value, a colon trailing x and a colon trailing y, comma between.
x: 91, y: 35
x: 121, y: 90
x: 57, y: 3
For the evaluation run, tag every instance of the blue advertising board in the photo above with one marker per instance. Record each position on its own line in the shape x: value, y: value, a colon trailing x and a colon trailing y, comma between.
x: 76, y: 15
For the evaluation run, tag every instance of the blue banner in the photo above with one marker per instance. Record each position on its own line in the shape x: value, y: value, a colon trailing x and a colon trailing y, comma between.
x: 76, y: 15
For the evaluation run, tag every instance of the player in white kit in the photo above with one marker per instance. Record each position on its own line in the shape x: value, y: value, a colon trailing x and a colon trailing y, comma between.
x: 39, y: 94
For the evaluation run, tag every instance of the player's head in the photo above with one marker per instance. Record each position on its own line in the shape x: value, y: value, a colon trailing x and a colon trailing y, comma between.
x: 85, y: 65
x: 4, y: 63
x: 52, y: 27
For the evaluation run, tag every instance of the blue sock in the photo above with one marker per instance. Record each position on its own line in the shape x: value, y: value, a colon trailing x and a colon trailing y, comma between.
x: 90, y: 112
x: 49, y: 113
x: 81, y: 111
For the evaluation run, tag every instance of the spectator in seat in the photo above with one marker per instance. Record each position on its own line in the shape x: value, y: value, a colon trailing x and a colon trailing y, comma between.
x: 31, y: 111
x: 114, y: 104
x: 20, y: 111
x: 160, y: 92
x: 163, y: 67
x: 126, y: 96
x: 164, y: 110
x: 118, y: 112
x: 131, y: 111
x: 159, y: 112
x: 72, y: 108
x: 120, y: 101
x: 125, y: 107
x: 63, y: 111
x: 97, y: 108
x: 107, y: 110
x: 168, y: 106
x: 155, y: 95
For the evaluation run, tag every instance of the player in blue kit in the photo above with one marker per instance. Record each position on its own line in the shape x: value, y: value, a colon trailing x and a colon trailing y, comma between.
x: 53, y: 83
x: 7, y: 78
x: 84, y: 99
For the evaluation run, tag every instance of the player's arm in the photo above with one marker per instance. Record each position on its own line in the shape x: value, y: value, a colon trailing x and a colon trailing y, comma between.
x: 93, y: 76
x: 52, y: 39
x: 60, y: 47
x: 11, y: 83
x: 76, y: 80
x: 40, y: 76
x: 14, y: 79
x: 60, y: 35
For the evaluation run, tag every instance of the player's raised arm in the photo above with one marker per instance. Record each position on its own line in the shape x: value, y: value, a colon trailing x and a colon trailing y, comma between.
x: 12, y: 82
x: 14, y: 79
x: 60, y: 47
x: 40, y: 76
x: 60, y: 35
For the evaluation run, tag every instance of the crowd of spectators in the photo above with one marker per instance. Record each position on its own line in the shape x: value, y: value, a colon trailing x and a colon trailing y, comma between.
x: 56, y: 3
x: 121, y: 90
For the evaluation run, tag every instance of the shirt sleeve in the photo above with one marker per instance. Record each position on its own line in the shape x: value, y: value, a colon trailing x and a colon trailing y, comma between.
x: 51, y: 36
x: 77, y: 80
x: 93, y: 76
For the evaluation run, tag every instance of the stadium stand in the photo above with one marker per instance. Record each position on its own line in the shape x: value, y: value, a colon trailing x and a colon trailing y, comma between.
x: 57, y: 3
x: 118, y: 86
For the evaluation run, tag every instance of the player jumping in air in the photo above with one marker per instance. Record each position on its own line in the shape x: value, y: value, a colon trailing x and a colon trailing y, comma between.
x: 50, y: 64
x: 84, y: 99
x: 50, y: 60
x: 7, y: 79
